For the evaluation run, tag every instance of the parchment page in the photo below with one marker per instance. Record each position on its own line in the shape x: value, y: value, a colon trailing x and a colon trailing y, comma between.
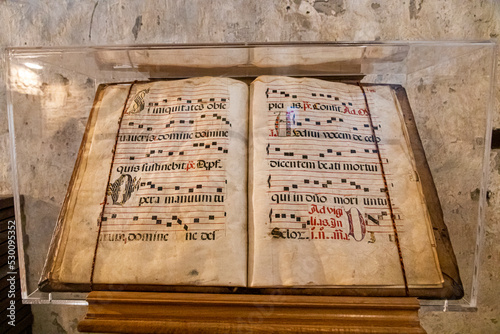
x: 73, y: 245
x: 175, y: 211
x: 319, y: 213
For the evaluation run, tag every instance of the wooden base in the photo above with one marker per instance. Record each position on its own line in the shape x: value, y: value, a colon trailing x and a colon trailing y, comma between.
x: 150, y: 312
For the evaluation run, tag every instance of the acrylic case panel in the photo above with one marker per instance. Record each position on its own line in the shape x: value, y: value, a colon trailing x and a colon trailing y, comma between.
x: 449, y: 86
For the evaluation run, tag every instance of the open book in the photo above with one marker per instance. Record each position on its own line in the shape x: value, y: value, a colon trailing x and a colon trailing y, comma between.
x: 289, y: 183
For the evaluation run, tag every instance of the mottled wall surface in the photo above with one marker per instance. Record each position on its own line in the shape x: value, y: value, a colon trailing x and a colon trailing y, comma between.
x: 60, y: 23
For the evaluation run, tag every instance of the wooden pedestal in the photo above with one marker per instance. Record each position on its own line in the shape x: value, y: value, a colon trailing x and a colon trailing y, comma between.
x: 150, y: 312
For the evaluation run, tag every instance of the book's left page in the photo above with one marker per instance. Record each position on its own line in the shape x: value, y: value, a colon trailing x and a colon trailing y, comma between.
x: 148, y: 201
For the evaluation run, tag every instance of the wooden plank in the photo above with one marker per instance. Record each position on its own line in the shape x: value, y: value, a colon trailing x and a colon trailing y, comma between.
x: 136, y: 312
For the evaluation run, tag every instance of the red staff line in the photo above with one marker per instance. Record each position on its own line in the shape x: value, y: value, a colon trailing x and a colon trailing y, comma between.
x: 167, y: 230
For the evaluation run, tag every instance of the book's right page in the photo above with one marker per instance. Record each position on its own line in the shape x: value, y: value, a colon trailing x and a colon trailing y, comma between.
x: 335, y: 199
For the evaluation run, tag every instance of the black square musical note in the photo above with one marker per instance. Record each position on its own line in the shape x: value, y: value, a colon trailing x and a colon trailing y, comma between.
x: 181, y: 121
x: 277, y: 215
x: 353, y: 151
x: 219, y: 190
x: 113, y: 215
x: 211, y: 218
x: 190, y: 190
x: 174, y: 217
x: 169, y: 224
x: 277, y: 149
x: 104, y: 219
x: 177, y: 188
x: 154, y: 217
x: 199, y: 186
x: 283, y: 215
x: 294, y: 186
x: 135, y: 218
x: 197, y: 220
x: 131, y: 123
x: 160, y: 188
x: 141, y: 126
x: 158, y: 221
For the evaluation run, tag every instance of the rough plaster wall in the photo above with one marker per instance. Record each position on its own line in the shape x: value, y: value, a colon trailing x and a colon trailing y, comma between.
x: 58, y: 23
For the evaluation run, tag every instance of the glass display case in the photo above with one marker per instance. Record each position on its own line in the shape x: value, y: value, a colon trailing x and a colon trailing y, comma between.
x: 50, y: 92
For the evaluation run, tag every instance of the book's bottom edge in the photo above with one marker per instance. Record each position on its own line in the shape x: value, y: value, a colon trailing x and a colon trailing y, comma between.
x: 446, y: 292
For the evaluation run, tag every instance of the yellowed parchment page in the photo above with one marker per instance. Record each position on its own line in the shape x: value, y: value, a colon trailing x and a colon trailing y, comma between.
x: 176, y: 203
x: 318, y: 211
